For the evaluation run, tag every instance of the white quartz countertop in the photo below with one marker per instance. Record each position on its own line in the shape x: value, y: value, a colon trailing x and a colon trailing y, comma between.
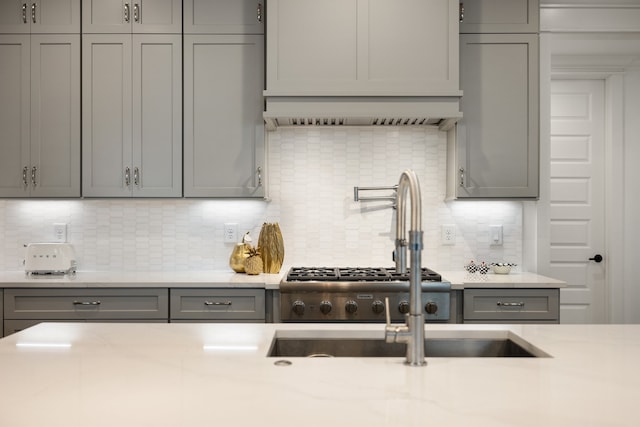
x: 462, y: 279
x: 89, y: 375
x: 228, y: 278
x: 105, y: 279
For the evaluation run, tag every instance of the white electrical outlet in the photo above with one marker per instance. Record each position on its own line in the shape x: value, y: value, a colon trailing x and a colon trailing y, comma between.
x: 495, y: 235
x: 231, y: 232
x: 60, y: 233
x: 448, y: 235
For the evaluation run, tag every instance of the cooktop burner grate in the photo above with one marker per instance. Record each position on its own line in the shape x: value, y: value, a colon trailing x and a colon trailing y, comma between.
x: 354, y: 274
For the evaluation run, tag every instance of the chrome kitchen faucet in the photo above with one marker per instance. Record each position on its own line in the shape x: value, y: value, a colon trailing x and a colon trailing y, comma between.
x: 411, y: 333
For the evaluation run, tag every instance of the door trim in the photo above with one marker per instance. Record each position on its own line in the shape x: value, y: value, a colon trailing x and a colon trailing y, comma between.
x: 609, y: 70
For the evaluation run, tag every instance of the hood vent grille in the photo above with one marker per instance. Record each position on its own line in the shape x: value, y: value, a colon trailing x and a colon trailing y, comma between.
x: 442, y: 112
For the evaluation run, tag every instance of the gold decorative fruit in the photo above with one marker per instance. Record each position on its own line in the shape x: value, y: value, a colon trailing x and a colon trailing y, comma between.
x: 239, y: 254
x: 253, y: 262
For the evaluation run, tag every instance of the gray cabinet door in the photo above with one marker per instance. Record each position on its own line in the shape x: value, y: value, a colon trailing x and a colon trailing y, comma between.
x: 106, y: 115
x: 362, y: 47
x: 497, y: 138
x: 132, y: 115
x: 499, y: 16
x: 223, y: 124
x: 511, y: 305
x: 15, y: 163
x: 137, y: 16
x: 217, y: 304
x: 40, y: 17
x: 85, y: 304
x: 223, y: 16
x: 55, y: 115
x: 40, y: 115
x: 157, y: 116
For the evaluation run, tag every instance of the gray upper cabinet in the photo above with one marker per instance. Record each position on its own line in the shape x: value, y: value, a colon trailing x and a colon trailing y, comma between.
x: 224, y: 146
x: 223, y: 16
x: 499, y: 16
x: 494, y: 150
x: 40, y: 17
x: 40, y: 115
x: 362, y: 47
x: 132, y: 16
x: 132, y: 115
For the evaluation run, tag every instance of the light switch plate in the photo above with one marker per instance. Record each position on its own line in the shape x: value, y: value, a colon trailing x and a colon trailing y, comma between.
x: 448, y: 235
x: 495, y: 235
x: 230, y: 233
x: 60, y: 232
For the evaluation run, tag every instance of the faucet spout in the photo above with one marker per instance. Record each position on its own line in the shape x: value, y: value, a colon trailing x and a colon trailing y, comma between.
x: 412, y: 333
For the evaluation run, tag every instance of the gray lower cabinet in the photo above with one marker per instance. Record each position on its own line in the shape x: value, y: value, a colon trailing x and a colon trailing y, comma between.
x: 26, y: 307
x: 219, y: 305
x: 511, y: 305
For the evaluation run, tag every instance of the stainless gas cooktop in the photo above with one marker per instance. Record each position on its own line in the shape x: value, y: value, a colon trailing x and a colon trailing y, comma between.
x: 357, y: 294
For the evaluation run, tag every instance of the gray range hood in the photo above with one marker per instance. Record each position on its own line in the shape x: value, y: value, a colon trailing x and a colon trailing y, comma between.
x: 295, y: 111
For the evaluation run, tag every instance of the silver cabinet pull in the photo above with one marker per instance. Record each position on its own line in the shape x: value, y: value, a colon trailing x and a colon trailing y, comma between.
x: 33, y: 12
x: 127, y: 176
x: 461, y: 177
x: 126, y: 12
x: 25, y: 172
x: 34, y: 171
x: 461, y: 12
x: 510, y: 304
x: 259, y: 12
x: 209, y: 303
x: 136, y: 12
x: 24, y: 13
x: 136, y: 176
x: 259, y: 176
x: 86, y: 303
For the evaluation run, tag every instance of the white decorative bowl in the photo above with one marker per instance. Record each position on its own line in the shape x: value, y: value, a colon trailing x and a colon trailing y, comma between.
x: 501, y: 267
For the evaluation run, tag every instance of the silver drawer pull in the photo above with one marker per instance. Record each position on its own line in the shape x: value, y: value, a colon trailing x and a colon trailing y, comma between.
x: 86, y: 303
x: 217, y: 303
x: 510, y: 304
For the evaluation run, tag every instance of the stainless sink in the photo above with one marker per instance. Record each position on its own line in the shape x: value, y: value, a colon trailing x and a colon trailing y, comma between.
x: 499, y: 345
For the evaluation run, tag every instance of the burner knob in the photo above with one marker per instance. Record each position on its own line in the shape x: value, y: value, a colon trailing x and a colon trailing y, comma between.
x: 351, y: 306
x: 377, y: 307
x: 298, y: 307
x: 403, y: 307
x: 431, y: 307
x: 325, y: 307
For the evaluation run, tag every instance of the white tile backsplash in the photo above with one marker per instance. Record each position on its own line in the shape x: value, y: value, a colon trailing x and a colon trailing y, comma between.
x: 311, y: 175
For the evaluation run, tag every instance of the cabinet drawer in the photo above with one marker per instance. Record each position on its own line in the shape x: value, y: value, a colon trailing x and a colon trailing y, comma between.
x: 86, y: 304
x: 218, y: 304
x: 511, y: 304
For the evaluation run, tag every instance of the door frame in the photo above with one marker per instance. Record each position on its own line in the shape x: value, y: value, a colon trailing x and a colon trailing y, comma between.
x: 611, y: 71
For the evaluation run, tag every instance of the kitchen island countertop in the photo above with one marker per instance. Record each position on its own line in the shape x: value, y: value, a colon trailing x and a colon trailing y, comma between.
x: 75, y: 374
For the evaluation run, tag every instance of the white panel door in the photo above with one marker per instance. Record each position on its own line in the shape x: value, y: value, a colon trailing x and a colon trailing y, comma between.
x: 577, y: 198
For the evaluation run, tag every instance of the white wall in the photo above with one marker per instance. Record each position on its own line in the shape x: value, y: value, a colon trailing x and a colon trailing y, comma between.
x: 312, y: 172
x: 631, y: 291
